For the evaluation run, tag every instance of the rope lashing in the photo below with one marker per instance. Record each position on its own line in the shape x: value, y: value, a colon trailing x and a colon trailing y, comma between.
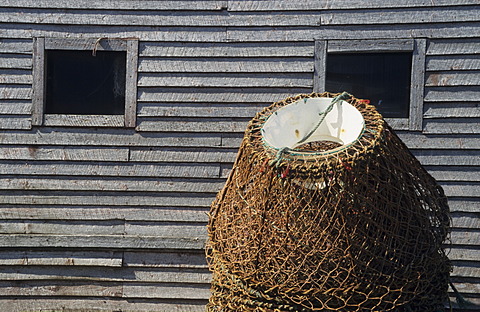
x: 341, y: 97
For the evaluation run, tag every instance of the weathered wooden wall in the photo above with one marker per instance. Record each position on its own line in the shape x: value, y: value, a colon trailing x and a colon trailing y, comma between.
x: 114, y: 219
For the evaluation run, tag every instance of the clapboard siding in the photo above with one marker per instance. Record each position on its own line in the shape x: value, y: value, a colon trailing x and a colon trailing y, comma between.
x: 105, y: 218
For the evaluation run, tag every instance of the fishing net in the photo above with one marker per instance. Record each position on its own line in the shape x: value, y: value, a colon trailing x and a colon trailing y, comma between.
x: 327, y: 224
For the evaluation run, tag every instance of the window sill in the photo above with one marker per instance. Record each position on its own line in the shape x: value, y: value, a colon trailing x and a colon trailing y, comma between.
x: 398, y: 123
x: 84, y: 120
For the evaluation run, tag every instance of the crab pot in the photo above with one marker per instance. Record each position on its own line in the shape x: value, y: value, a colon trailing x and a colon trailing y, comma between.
x: 335, y: 215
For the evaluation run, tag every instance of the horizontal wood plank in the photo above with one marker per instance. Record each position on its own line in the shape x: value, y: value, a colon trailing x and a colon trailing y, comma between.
x: 15, y: 122
x: 105, y: 304
x: 110, y: 184
x: 101, y: 241
x: 439, y: 141
x: 191, y: 125
x: 165, y: 259
x: 279, y: 5
x: 452, y: 173
x: 110, y: 227
x: 153, y: 200
x: 448, y: 157
x: 61, y: 258
x: 115, y: 170
x: 11, y: 61
x: 230, y: 80
x: 445, y: 79
x: 119, y: 4
x: 457, y: 125
x: 15, y: 92
x: 166, y: 292
x: 218, y: 95
x: 64, y: 153
x: 226, y: 65
x: 166, y: 229
x: 60, y: 288
x: 15, y: 107
x: 223, y: 50
x: 178, y: 214
x: 451, y: 110
x: 103, y: 274
x: 400, y: 31
x: 147, y: 33
x: 16, y: 46
x: 399, y: 16
x: 84, y: 120
x: 456, y: 62
x: 198, y: 110
x: 445, y: 94
x: 105, y: 137
x: 453, y: 46
x: 165, y: 155
x: 168, y: 18
x: 464, y: 204
x: 461, y: 189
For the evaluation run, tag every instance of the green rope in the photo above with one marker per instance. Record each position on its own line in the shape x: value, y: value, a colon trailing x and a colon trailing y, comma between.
x: 279, y: 156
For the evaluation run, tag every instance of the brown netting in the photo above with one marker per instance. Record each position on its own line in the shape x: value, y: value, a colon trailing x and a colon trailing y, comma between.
x: 323, y: 228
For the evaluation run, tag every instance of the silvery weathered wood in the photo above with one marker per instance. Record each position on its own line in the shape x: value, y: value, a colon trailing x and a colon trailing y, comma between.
x: 15, y: 107
x: 400, y: 31
x: 455, y: 62
x: 453, y: 173
x: 97, y: 169
x: 464, y: 204
x: 76, y: 137
x: 83, y: 120
x: 110, y: 227
x: 452, y: 125
x: 448, y: 157
x: 38, y: 87
x: 453, y: 78
x: 16, y: 46
x: 252, y: 5
x: 320, y: 65
x: 15, y: 61
x: 221, y: 49
x: 119, y: 4
x: 225, y: 80
x: 101, y: 241
x: 218, y: 95
x: 60, y: 288
x: 166, y: 155
x: 101, y: 304
x: 15, y: 92
x: 61, y: 258
x: 110, y: 184
x: 64, y: 153
x: 438, y: 141
x: 399, y: 16
x: 417, y: 85
x: 370, y: 45
x: 9, y: 122
x: 149, y: 33
x: 133, y: 199
x: 192, y: 126
x: 149, y: 290
x: 451, y: 109
x: 456, y: 94
x: 165, y: 259
x: 105, y: 274
x: 15, y: 77
x: 198, y: 110
x: 226, y: 65
x: 131, y: 84
x: 453, y: 46
x: 162, y: 214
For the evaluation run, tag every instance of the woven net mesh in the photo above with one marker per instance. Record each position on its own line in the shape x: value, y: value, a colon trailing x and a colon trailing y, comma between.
x: 325, y: 228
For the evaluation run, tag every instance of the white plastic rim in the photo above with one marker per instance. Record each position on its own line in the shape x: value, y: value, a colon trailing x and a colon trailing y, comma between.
x: 286, y: 127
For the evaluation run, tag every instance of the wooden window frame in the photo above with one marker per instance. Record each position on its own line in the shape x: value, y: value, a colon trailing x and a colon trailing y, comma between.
x: 416, y: 46
x: 128, y: 119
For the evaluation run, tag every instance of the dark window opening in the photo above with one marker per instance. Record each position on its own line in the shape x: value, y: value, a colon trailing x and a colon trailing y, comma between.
x: 82, y: 84
x: 383, y: 78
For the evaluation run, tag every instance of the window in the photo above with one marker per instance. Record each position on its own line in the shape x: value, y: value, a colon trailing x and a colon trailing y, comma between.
x: 389, y: 73
x: 85, y: 82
